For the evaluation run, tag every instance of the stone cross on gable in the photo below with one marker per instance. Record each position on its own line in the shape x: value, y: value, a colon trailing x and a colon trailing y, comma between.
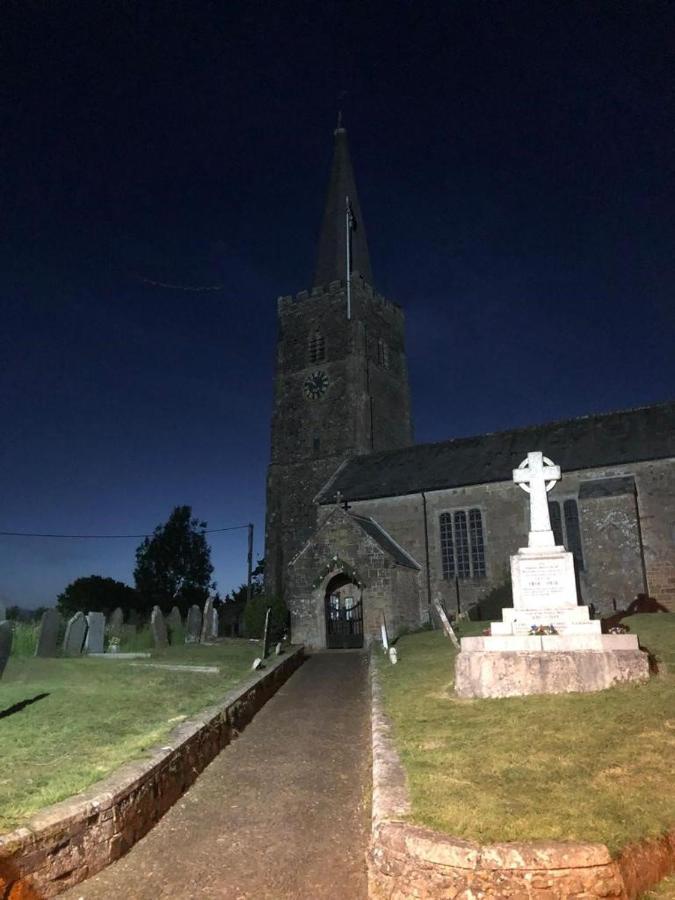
x: 537, y: 475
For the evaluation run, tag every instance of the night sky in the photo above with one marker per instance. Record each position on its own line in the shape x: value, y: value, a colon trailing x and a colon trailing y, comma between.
x: 515, y: 165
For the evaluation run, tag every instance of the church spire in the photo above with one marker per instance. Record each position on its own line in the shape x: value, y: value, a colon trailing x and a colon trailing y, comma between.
x: 331, y: 263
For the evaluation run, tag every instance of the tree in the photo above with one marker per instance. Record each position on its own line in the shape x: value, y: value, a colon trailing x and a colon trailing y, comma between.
x: 173, y: 567
x: 95, y: 593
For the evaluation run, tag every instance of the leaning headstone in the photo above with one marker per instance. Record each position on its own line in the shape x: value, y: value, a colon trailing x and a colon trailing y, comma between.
x: 48, y: 634
x: 266, y: 634
x: 207, y: 621
x: 6, y: 635
x: 95, y: 633
x: 158, y: 627
x: 445, y: 623
x: 385, y: 636
x: 75, y: 632
x: 193, y: 628
x: 115, y: 622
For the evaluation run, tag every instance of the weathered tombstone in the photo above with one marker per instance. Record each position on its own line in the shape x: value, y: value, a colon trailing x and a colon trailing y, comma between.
x: 75, y: 632
x: 174, y: 619
x: 207, y: 621
x: 279, y: 649
x: 194, y: 625
x: 445, y: 624
x: 48, y: 634
x: 115, y: 622
x: 3, y: 612
x: 158, y: 627
x: 215, y: 627
x: 95, y: 633
x: 385, y: 636
x: 6, y: 635
x: 266, y: 634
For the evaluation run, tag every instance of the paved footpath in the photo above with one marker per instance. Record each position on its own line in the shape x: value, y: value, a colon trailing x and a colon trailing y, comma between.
x: 283, y: 812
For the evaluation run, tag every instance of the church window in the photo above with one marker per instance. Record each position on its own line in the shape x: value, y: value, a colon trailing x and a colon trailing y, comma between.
x: 571, y: 513
x: 477, y: 544
x: 316, y: 443
x: 462, y: 544
x: 566, y: 529
x: 383, y: 354
x: 317, y: 347
x: 447, y: 546
x: 556, y: 522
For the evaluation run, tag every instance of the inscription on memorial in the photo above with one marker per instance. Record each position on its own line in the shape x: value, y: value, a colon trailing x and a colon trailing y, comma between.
x: 542, y: 578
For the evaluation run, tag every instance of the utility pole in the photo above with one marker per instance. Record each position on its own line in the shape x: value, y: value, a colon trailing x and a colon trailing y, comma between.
x: 249, y: 584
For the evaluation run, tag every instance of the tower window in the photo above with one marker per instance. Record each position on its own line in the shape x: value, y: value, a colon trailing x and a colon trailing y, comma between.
x: 316, y: 443
x: 462, y: 544
x: 317, y: 347
x: 383, y: 354
x: 566, y: 529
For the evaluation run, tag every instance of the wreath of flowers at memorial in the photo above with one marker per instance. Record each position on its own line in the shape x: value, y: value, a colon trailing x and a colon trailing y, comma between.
x: 113, y: 645
x: 543, y: 629
x: 618, y: 629
x: 338, y: 565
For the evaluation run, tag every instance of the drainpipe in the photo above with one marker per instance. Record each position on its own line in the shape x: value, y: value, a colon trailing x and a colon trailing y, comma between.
x: 426, y: 548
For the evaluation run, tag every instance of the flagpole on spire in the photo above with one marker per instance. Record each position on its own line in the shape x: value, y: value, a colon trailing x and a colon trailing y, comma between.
x: 349, y: 224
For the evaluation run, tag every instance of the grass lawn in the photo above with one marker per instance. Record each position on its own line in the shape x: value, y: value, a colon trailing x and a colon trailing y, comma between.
x: 97, y: 715
x: 597, y: 767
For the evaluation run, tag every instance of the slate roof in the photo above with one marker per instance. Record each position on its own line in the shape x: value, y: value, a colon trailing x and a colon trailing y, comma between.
x: 385, y: 541
x: 607, y: 487
x: 626, y: 436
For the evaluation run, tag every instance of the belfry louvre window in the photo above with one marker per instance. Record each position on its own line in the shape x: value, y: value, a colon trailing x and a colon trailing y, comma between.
x: 317, y: 347
x: 383, y: 354
x: 566, y: 530
x: 462, y: 544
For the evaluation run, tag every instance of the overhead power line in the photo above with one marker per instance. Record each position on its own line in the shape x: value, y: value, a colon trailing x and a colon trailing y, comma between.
x: 106, y: 537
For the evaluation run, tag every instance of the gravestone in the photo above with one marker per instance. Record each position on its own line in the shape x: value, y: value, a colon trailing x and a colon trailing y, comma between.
x: 95, y: 633
x: 207, y: 621
x: 193, y: 626
x: 448, y: 630
x: 158, y: 627
x: 3, y: 612
x: 75, y: 632
x: 542, y: 644
x: 6, y: 635
x: 266, y: 634
x: 215, y: 627
x: 48, y: 634
x: 115, y: 622
x: 384, y: 634
x: 174, y: 619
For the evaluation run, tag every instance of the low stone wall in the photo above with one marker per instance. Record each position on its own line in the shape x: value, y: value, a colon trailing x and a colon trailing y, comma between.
x: 70, y: 841
x: 409, y: 861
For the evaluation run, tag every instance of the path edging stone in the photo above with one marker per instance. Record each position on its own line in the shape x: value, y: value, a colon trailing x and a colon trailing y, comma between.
x: 406, y: 860
x: 65, y: 843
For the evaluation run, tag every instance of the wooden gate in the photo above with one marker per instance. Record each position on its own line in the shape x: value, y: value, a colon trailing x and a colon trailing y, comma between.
x: 344, y: 622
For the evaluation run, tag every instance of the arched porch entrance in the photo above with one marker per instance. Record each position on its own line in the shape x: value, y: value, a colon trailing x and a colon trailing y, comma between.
x: 344, y: 613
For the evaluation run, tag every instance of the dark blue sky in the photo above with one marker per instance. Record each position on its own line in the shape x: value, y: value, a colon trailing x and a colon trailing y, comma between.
x: 516, y: 168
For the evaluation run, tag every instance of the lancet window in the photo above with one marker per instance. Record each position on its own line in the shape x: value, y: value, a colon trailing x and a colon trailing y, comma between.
x: 566, y: 528
x: 317, y: 347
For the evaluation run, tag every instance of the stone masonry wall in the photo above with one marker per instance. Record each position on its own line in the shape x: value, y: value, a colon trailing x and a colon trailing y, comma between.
x: 72, y: 840
x: 406, y: 860
x: 613, y: 568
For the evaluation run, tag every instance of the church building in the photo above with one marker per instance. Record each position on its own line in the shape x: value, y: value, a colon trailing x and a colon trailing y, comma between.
x: 364, y: 526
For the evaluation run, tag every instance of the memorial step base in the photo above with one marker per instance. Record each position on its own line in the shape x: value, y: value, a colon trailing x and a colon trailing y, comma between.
x: 488, y: 673
x: 549, y: 642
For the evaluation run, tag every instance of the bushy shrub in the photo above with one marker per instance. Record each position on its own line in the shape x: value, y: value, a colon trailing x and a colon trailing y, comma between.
x: 254, y: 616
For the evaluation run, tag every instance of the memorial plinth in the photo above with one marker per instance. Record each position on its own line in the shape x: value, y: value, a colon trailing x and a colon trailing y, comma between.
x: 546, y: 643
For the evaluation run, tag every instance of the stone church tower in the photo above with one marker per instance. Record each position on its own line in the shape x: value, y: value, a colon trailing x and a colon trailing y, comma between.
x: 341, y: 386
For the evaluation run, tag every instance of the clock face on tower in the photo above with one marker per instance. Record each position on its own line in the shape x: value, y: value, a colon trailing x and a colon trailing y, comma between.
x: 316, y: 385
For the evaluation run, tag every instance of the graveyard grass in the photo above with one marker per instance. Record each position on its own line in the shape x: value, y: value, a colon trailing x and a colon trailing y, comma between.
x: 592, y: 767
x: 97, y: 715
